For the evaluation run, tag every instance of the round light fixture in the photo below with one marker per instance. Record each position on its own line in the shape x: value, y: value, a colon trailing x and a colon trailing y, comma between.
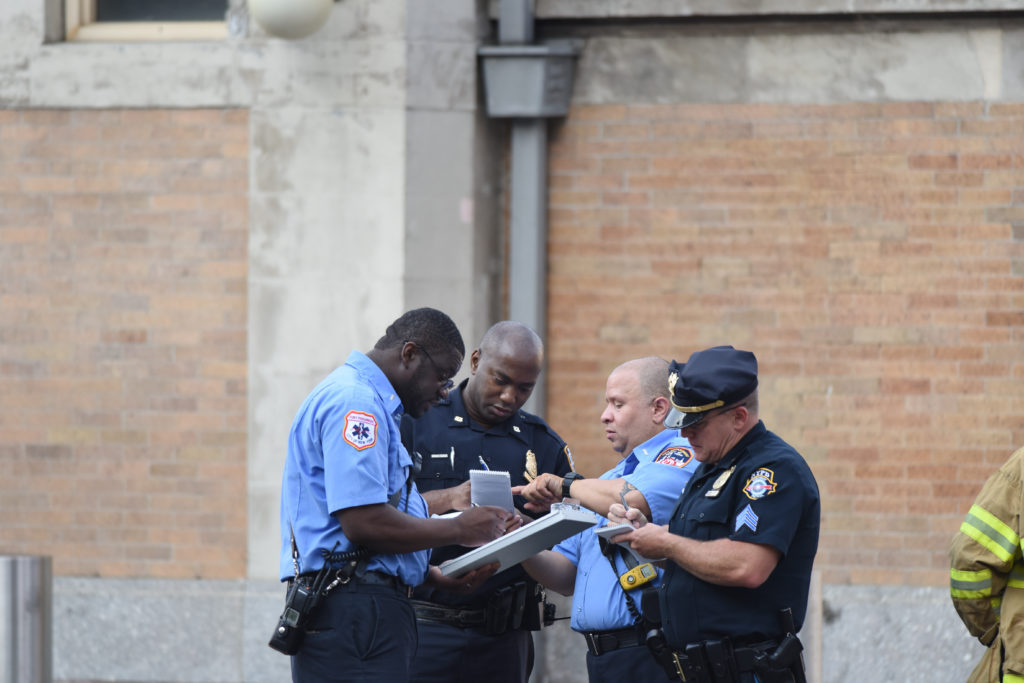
x: 291, y: 19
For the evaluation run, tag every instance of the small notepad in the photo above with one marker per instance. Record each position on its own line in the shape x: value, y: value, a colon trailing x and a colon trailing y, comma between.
x: 490, y: 487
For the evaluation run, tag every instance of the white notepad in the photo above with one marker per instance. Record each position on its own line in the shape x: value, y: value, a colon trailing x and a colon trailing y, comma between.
x: 490, y: 487
x: 563, y: 521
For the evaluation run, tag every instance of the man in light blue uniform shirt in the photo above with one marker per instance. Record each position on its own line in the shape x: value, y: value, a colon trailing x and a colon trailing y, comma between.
x: 348, y: 484
x: 657, y: 465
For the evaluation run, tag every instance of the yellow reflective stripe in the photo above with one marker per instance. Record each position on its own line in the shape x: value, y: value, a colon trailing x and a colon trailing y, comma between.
x: 966, y: 584
x: 1016, y: 579
x: 987, y: 530
x: 997, y: 605
x: 1012, y: 678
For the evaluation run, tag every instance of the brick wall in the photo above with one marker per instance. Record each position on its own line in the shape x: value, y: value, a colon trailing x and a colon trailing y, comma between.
x: 123, y: 260
x: 871, y: 255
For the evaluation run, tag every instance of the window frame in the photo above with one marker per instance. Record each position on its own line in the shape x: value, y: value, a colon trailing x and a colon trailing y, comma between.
x: 80, y: 25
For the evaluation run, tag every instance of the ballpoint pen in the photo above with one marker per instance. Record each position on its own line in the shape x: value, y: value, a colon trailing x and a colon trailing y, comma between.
x: 483, y: 463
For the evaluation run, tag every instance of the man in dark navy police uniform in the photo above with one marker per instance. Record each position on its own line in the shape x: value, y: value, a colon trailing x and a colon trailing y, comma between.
x: 484, y: 636
x: 742, y: 539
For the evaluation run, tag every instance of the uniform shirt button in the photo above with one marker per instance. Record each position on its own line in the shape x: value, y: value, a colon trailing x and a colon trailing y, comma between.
x: 700, y: 516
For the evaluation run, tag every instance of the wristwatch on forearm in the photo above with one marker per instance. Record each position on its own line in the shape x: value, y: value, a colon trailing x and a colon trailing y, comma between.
x: 567, y: 481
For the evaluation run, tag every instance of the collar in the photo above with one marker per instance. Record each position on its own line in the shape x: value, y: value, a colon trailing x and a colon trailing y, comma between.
x: 649, y: 450
x: 740, y: 449
x: 514, y: 426
x: 378, y: 381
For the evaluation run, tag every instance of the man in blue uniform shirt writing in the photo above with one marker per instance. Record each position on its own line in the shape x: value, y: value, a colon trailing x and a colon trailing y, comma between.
x: 349, y: 505
x: 484, y: 635
x: 655, y: 467
x: 742, y: 538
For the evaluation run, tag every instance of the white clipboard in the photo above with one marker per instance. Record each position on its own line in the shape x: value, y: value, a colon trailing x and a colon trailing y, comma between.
x: 563, y: 521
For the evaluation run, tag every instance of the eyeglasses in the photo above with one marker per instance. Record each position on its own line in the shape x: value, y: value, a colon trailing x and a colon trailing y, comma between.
x: 697, y: 428
x: 446, y: 384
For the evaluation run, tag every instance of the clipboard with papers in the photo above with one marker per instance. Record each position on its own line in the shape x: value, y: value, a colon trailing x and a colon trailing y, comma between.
x: 563, y: 521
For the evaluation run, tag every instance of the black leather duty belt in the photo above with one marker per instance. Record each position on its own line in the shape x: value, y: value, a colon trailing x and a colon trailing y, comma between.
x: 599, y: 642
x: 371, y: 578
x: 463, y: 618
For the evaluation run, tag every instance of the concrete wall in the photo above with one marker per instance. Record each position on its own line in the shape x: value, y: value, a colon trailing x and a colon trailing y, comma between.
x: 373, y: 181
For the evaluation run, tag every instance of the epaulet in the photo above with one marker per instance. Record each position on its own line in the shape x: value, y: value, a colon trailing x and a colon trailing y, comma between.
x: 531, y: 419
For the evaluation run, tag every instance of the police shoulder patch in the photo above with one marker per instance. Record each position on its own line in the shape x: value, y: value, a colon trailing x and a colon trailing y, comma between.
x: 568, y: 456
x: 360, y: 429
x: 676, y: 456
x: 760, y: 484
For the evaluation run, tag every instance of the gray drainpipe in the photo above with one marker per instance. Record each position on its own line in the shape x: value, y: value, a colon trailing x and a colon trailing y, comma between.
x: 528, y: 83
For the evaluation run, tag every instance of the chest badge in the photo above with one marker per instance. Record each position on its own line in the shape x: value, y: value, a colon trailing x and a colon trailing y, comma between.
x: 761, y: 484
x: 716, y: 488
x: 531, y: 466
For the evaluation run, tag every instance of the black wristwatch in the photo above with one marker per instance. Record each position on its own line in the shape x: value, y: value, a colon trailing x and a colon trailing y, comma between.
x: 567, y: 481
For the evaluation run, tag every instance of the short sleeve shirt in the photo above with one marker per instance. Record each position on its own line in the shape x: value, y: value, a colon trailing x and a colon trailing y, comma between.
x: 344, y: 451
x: 665, y: 464
x: 761, y: 492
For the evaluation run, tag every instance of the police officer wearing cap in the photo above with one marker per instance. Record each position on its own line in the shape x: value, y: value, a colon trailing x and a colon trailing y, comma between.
x: 484, y: 635
x: 742, y: 538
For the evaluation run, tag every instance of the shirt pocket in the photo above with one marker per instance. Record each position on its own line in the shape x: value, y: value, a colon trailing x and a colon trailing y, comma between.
x: 437, y: 473
x: 711, y: 521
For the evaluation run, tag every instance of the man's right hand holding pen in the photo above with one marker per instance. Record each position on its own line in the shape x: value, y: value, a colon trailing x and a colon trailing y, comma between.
x: 649, y: 540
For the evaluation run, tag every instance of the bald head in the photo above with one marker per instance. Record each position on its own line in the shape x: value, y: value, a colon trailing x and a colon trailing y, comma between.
x: 636, y: 397
x: 651, y: 375
x: 511, y: 337
x: 503, y: 372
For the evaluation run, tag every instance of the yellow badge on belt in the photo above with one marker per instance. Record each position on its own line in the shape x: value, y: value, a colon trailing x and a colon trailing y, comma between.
x: 531, y: 466
x: 716, y: 488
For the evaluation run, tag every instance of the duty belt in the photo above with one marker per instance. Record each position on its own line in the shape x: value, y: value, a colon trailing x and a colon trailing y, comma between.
x: 372, y: 578
x: 599, y: 642
x: 463, y: 618
x: 715, y: 661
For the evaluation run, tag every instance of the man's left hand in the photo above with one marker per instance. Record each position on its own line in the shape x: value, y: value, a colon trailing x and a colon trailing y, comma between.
x: 467, y: 583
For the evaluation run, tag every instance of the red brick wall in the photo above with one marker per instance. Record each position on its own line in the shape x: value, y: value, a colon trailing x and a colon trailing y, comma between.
x: 871, y: 255
x: 123, y: 261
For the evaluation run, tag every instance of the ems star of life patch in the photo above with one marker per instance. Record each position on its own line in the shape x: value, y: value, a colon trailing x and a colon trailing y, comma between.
x: 747, y: 518
x: 360, y: 429
x: 676, y: 456
x: 760, y: 484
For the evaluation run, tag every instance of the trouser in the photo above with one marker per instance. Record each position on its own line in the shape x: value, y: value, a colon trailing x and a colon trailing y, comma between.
x: 449, y: 654
x: 361, y: 633
x: 625, y: 664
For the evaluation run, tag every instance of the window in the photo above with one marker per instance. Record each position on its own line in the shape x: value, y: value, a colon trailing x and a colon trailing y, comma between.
x: 121, y: 20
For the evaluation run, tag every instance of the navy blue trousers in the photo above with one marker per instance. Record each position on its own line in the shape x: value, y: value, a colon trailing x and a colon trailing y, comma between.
x: 362, y: 633
x: 449, y: 654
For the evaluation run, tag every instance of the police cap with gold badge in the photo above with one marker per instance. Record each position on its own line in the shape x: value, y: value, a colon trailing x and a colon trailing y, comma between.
x: 713, y: 378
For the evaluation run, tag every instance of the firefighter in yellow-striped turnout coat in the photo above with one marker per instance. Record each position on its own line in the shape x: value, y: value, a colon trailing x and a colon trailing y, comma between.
x: 987, y: 574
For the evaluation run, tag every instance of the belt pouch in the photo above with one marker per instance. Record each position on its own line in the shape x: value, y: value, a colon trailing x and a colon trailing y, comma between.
x: 533, y: 612
x: 518, y: 605
x: 695, y: 655
x: 498, y: 610
x: 720, y: 661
